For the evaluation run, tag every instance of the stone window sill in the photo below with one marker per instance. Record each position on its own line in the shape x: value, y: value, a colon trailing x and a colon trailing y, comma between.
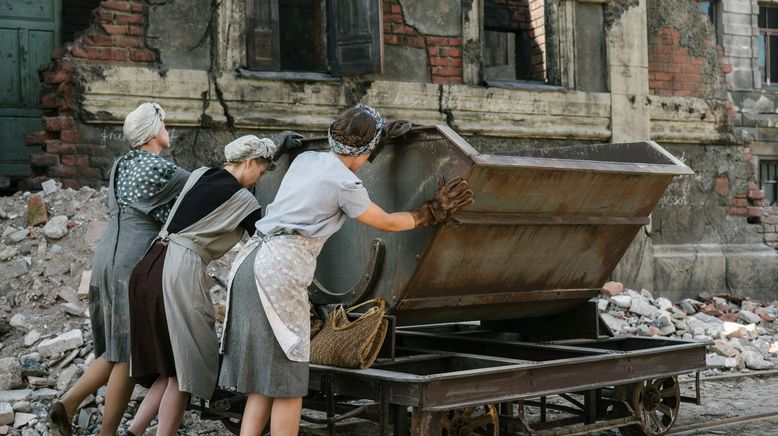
x: 287, y: 76
x: 524, y: 84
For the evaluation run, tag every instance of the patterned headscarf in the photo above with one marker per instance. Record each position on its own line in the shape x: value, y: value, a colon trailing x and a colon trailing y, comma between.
x: 143, y: 123
x: 249, y: 147
x: 345, y: 149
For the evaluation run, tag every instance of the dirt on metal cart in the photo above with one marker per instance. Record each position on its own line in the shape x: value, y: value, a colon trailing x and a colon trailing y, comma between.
x: 491, y: 325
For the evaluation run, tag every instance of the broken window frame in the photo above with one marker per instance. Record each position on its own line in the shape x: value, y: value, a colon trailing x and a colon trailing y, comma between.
x: 768, y: 175
x: 713, y: 13
x: 517, y: 82
x: 561, y: 53
x: 764, y: 45
x: 352, y: 49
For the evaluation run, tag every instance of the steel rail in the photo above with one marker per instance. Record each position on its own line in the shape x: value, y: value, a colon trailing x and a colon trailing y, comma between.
x: 723, y: 422
x: 724, y: 377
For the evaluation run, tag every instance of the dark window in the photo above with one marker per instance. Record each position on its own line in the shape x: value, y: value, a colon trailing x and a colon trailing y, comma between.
x: 514, y: 40
x: 75, y: 17
x: 341, y: 37
x: 768, y: 179
x: 708, y: 7
x: 768, y: 44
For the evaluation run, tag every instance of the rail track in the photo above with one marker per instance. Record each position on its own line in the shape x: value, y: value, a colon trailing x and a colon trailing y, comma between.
x: 725, y: 422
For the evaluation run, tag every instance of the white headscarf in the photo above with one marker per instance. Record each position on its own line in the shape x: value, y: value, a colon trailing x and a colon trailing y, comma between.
x: 143, y: 123
x: 249, y: 147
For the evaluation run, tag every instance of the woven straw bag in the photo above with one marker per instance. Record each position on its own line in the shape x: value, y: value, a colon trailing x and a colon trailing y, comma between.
x: 351, y: 344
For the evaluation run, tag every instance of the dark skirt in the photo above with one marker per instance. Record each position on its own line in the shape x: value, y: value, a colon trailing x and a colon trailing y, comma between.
x: 152, y: 354
x: 253, y: 360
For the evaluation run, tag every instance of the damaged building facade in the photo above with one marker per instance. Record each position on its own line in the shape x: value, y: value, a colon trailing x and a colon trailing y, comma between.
x: 695, y: 76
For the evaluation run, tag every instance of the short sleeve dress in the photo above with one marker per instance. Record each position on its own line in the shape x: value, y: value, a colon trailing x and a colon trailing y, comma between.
x: 266, y: 342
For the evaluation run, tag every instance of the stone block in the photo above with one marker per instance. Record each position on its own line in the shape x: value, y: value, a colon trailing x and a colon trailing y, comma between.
x: 642, y: 306
x: 6, y: 413
x: 749, y: 317
x: 15, y: 395
x: 57, y: 227
x: 64, y: 342
x: 663, y: 303
x: 622, y: 300
x: 10, y: 373
x: 68, y: 377
x: 22, y: 419
x: 31, y: 338
x: 612, y: 322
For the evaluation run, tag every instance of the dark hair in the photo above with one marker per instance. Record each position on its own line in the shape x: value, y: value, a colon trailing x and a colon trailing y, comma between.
x: 354, y: 127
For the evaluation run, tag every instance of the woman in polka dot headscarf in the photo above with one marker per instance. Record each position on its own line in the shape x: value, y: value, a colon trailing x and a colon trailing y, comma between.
x: 174, y: 344
x: 142, y: 189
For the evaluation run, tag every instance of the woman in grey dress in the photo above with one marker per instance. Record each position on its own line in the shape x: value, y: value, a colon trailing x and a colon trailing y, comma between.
x: 267, y: 333
x: 142, y: 189
x: 174, y: 343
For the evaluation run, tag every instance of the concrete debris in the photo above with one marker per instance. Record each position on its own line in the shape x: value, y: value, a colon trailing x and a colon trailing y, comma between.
x: 10, y: 373
x: 57, y: 227
x: 622, y: 300
x: 67, y: 378
x: 50, y: 186
x: 743, y: 333
x: 22, y: 419
x: 64, y: 342
x: 41, y: 382
x: 750, y: 317
x: 31, y: 338
x: 45, y: 272
x: 16, y: 235
x: 8, y: 253
x: 75, y: 310
x: 6, y: 413
x: 19, y: 321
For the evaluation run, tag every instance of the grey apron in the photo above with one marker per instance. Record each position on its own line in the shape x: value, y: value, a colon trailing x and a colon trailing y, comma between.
x: 185, y: 286
x: 129, y: 233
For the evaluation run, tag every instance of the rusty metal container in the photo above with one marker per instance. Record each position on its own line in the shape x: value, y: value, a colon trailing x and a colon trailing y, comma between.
x: 546, y: 230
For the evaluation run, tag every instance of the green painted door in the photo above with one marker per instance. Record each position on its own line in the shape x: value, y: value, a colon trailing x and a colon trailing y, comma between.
x: 29, y: 32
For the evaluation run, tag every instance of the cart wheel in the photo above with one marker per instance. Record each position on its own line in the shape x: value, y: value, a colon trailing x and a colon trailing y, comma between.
x: 470, y: 421
x: 232, y: 424
x: 656, y: 404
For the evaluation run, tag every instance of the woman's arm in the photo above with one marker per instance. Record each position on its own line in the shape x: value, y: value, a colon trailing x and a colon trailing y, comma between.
x: 376, y: 217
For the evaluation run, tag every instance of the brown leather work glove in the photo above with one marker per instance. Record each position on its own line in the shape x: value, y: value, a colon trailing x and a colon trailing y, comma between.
x: 446, y: 200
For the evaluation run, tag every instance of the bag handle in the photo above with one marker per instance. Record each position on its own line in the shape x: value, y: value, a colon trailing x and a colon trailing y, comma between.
x: 340, y: 312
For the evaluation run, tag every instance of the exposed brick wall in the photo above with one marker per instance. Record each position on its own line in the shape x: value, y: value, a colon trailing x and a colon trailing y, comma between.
x: 444, y: 54
x: 116, y: 35
x: 671, y: 69
x: 537, y: 32
x: 751, y: 205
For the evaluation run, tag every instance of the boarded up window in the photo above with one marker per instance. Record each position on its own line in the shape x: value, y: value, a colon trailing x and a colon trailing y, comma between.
x: 341, y: 37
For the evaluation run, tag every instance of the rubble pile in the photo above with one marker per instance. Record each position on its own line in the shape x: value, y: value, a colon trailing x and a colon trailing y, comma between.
x: 743, y: 333
x: 47, y: 242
